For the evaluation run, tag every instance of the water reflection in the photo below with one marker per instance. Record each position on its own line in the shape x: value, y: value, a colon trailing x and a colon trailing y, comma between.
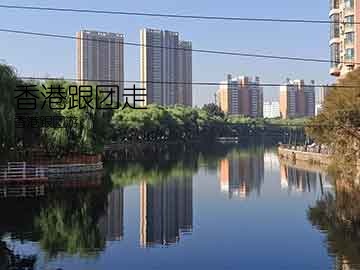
x: 79, y: 217
x: 166, y: 209
x: 10, y: 260
x: 242, y: 172
x: 338, y: 216
x: 111, y: 224
x: 297, y: 180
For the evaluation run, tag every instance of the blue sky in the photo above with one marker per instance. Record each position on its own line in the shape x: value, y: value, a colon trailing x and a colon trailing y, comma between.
x: 35, y: 56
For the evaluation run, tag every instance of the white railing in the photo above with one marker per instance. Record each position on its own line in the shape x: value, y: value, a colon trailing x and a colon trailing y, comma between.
x: 22, y: 171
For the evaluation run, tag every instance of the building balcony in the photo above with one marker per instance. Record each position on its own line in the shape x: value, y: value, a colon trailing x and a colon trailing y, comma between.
x: 334, y: 11
x: 348, y: 11
x: 334, y: 71
x: 348, y: 28
x: 349, y: 62
x: 334, y: 40
x: 349, y: 44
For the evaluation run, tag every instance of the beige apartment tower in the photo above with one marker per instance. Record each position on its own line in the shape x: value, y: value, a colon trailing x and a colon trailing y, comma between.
x: 165, y: 68
x: 297, y: 99
x: 344, y: 36
x: 241, y: 96
x: 100, y: 56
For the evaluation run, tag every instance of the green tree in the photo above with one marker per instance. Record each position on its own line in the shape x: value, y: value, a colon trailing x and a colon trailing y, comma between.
x: 213, y: 110
x: 8, y: 83
x: 90, y: 132
x: 338, y: 124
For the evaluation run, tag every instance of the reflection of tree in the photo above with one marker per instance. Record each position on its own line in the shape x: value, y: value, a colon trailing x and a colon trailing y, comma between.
x: 177, y: 161
x: 339, y: 216
x: 134, y: 173
x: 68, y: 222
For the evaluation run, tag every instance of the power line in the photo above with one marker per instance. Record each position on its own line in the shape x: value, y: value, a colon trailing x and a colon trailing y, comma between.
x: 29, y: 78
x: 176, y: 48
x: 174, y: 16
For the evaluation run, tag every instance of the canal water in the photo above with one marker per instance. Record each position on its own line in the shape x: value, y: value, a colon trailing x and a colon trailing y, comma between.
x: 233, y: 208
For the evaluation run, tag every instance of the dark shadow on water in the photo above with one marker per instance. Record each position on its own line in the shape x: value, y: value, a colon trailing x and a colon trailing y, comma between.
x: 337, y: 215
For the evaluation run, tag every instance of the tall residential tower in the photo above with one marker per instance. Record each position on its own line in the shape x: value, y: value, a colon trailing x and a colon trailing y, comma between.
x: 297, y: 99
x: 344, y: 36
x: 100, y: 56
x: 166, y: 67
x: 241, y: 96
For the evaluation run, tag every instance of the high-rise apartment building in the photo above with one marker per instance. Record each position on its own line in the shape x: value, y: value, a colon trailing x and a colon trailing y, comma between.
x: 166, y: 67
x: 184, y: 94
x: 324, y: 90
x: 271, y: 109
x: 100, y: 56
x: 321, y: 98
x: 297, y: 99
x: 241, y: 96
x: 344, y: 36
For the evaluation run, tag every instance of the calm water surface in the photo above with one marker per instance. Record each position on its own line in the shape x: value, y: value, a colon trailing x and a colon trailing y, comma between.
x: 236, y: 209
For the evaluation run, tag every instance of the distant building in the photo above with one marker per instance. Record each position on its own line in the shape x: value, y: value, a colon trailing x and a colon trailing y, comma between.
x: 322, y: 94
x: 165, y: 68
x: 100, y: 56
x: 297, y: 99
x: 271, y: 109
x: 184, y: 94
x: 344, y: 36
x: 320, y: 99
x: 318, y: 108
x: 241, y: 96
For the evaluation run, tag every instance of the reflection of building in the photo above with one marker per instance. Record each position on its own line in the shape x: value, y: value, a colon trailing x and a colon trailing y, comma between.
x: 111, y: 224
x: 165, y: 211
x: 344, y: 36
x: 240, y: 175
x: 160, y: 64
x: 241, y: 96
x: 297, y: 99
x: 14, y: 191
x: 100, y: 56
x: 271, y: 161
x: 297, y: 180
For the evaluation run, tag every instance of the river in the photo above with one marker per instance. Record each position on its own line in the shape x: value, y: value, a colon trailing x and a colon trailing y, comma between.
x: 236, y: 207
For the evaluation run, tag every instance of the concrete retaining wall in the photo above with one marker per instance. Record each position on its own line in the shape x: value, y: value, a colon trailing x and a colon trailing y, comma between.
x: 311, y: 157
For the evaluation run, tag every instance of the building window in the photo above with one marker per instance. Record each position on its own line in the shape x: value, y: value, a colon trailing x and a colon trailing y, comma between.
x: 349, y: 54
x: 335, y: 26
x: 349, y: 23
x: 349, y: 3
x: 334, y: 4
x: 349, y: 38
x: 335, y: 54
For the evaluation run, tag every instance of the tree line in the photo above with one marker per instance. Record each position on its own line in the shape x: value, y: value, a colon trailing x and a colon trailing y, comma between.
x: 96, y: 127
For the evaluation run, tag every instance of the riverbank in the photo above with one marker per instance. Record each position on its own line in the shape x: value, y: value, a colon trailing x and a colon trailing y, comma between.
x: 305, y: 159
x: 296, y: 155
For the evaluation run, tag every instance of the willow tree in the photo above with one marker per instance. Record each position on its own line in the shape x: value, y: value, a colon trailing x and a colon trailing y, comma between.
x: 338, y: 124
x: 88, y: 132
x: 8, y: 82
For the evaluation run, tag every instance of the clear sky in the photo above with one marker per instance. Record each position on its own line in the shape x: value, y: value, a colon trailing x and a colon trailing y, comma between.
x: 39, y: 56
